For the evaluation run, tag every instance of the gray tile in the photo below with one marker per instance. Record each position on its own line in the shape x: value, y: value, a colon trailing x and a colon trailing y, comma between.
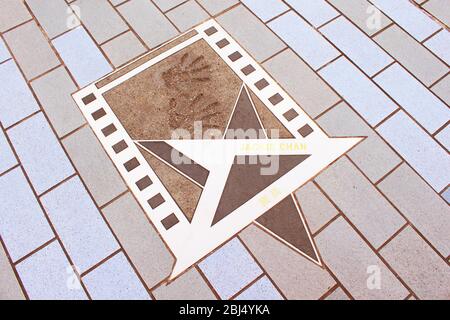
x: 418, y: 149
x: 421, y: 206
x: 266, y: 9
x: 4, y: 53
x: 356, y: 265
x: 414, y: 97
x: 316, y: 208
x: 187, y: 15
x: 109, y: 25
x: 315, y: 12
x: 79, y: 224
x: 124, y: 48
x: 338, y: 294
x: 54, y: 92
x: 418, y: 265
x: 139, y: 239
x: 358, y: 90
x: 262, y: 289
x: 439, y: 9
x: 297, y: 277
x: 53, y: 16
x: 165, y: 5
x: 311, y: 92
x: 373, y: 156
x: 216, y: 6
x: 14, y: 91
x: 23, y: 226
x: 31, y: 50
x: 40, y: 153
x: 358, y: 199
x: 444, y: 137
x: 47, y: 275
x: 94, y: 165
x: 8, y: 159
x: 442, y: 89
x: 306, y: 41
x: 230, y: 268
x: 189, y: 286
x: 260, y: 47
x: 149, y: 23
x: 10, y: 288
x: 82, y: 57
x: 411, y: 54
x: 12, y: 13
x: 115, y: 279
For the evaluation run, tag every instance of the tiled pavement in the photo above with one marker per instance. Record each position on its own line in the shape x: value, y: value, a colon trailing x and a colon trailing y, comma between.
x: 70, y: 229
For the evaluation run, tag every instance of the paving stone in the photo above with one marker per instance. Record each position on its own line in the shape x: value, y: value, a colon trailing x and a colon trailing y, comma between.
x: 23, y: 226
x: 439, y: 9
x: 418, y: 149
x: 266, y: 9
x: 4, y: 53
x: 373, y: 156
x: 440, y: 45
x: 356, y: 45
x: 54, y: 92
x: 12, y: 13
x: 442, y: 89
x: 311, y: 92
x: 139, y: 239
x: 409, y: 17
x: 446, y: 196
x: 444, y: 137
x: 338, y: 294
x: 187, y: 15
x: 149, y: 23
x: 307, y: 42
x: 14, y: 91
x: 94, y: 166
x: 47, y: 275
x: 262, y: 289
x: 216, y: 6
x: 7, y: 160
x: 166, y: 5
x: 296, y: 276
x: 53, y: 16
x: 109, y: 25
x: 79, y: 224
x: 261, y: 47
x: 418, y: 265
x: 356, y: 265
x: 10, y: 288
x: 45, y: 169
x: 358, y: 90
x: 315, y: 12
x: 366, y: 208
x: 415, y: 98
x: 28, y: 39
x: 421, y: 206
x: 362, y: 13
x: 316, y: 208
x: 189, y: 286
x: 115, y: 279
x: 117, y: 2
x: 80, y: 54
x: 411, y: 54
x: 230, y: 268
x: 123, y: 49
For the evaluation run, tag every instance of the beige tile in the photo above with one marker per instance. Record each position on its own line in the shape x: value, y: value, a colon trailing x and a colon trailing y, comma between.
x: 442, y: 89
x: 9, y: 285
x: 358, y: 199
x: 296, y: 276
x: 12, y: 13
x: 439, y: 9
x: 317, y: 209
x: 311, y: 92
x: 53, y: 16
x: 187, y: 15
x: 421, y: 205
x: 216, y: 6
x: 94, y: 166
x: 355, y: 264
x: 411, y: 54
x: 338, y: 294
x: 418, y: 265
x: 139, y: 239
x: 32, y: 51
x: 123, y: 49
x: 189, y: 286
